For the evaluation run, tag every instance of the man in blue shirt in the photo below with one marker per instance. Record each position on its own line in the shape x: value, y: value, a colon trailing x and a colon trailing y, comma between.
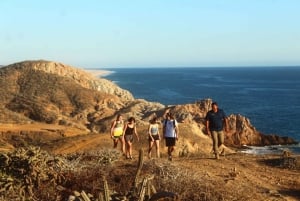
x: 215, y: 122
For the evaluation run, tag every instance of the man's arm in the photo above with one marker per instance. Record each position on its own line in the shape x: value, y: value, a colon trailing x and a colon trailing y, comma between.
x: 164, y: 128
x: 226, y: 124
x: 207, y: 128
x: 176, y: 129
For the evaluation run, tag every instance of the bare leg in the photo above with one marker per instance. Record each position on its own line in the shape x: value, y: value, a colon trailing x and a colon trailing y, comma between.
x: 150, y: 148
x: 129, y: 149
x: 122, y: 145
x: 170, y: 150
x: 115, y: 142
x: 157, y: 148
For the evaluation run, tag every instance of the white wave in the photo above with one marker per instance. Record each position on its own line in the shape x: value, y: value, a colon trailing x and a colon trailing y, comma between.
x: 273, y: 149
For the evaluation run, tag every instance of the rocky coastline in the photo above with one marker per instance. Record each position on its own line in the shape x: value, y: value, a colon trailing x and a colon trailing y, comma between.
x: 55, y: 145
x: 55, y: 93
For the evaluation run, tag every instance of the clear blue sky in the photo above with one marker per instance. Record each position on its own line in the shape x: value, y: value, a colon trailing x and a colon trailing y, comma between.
x: 151, y: 33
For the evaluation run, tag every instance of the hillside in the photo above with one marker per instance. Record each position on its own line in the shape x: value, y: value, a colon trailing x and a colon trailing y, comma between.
x: 67, y: 112
x: 54, y: 93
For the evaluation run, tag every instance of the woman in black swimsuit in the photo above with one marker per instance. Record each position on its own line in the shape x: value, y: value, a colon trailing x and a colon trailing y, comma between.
x: 129, y: 131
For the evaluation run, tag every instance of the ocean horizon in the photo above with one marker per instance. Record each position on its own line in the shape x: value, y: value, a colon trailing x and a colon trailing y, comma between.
x: 268, y: 96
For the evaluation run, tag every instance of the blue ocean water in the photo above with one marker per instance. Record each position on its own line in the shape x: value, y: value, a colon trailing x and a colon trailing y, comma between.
x: 268, y: 96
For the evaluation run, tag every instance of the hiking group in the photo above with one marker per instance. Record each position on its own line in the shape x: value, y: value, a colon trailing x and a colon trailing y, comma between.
x: 124, y: 132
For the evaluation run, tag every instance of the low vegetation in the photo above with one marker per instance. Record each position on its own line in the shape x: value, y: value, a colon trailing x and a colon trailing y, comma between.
x: 33, y: 174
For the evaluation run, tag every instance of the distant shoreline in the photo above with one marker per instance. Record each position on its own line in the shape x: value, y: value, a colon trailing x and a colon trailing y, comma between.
x: 98, y: 73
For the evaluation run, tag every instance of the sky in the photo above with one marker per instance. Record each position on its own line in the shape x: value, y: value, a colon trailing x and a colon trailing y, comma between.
x: 151, y: 33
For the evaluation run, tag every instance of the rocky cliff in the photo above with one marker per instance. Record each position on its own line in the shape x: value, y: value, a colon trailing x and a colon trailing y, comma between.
x: 54, y: 93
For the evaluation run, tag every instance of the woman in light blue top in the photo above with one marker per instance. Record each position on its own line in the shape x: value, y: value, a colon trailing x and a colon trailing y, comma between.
x: 153, y: 131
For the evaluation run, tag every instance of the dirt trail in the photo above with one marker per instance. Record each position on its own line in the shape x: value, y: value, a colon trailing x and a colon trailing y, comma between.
x: 251, y: 177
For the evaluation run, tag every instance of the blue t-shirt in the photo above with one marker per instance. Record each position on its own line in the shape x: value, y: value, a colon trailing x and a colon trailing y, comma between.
x: 170, y: 128
x: 215, y: 119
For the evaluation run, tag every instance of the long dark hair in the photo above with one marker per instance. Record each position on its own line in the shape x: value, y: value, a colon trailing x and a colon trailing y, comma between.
x: 131, y: 119
x: 153, y: 120
x: 118, y: 117
x: 171, y: 115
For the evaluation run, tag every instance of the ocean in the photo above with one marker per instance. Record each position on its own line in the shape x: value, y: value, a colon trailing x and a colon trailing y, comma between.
x: 268, y: 96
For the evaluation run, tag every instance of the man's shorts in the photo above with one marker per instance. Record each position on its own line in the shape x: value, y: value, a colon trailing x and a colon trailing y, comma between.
x: 170, y: 141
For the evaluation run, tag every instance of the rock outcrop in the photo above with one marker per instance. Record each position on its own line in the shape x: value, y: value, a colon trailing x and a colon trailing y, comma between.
x: 241, y: 131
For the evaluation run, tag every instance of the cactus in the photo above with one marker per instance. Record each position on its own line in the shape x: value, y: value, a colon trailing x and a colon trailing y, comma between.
x: 100, y: 198
x: 23, y: 171
x: 143, y: 189
x: 106, y: 190
x: 84, y: 196
x: 140, y: 165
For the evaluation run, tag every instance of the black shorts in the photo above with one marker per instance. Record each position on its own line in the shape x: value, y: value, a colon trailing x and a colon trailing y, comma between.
x: 155, y: 137
x: 170, y: 141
